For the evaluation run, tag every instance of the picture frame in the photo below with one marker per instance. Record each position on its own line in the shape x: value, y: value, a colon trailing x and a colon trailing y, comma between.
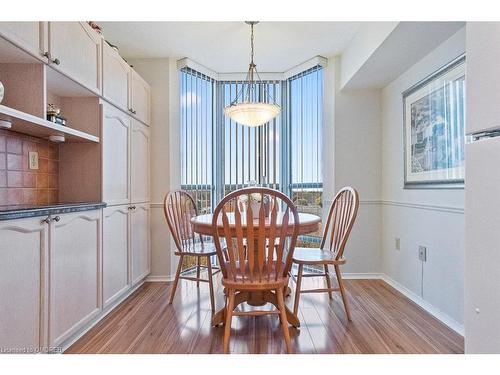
x: 434, y: 129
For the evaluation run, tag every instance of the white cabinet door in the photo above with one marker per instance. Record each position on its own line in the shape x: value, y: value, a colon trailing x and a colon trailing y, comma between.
x: 115, y: 77
x: 139, y: 162
x: 23, y: 253
x: 139, y: 241
x: 75, y: 50
x: 483, y: 78
x: 29, y: 36
x: 115, y: 252
x: 75, y: 287
x: 116, y: 129
x: 140, y: 97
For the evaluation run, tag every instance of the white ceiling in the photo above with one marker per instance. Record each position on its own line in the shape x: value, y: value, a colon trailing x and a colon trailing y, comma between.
x: 225, y: 46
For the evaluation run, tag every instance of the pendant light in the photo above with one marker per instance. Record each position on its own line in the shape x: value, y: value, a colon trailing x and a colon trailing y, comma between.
x: 249, y: 111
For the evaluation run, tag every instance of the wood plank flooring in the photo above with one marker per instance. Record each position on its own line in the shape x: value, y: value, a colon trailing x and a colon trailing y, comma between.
x: 383, y: 321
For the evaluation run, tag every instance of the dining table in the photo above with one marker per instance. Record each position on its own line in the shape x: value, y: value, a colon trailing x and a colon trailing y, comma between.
x: 202, y: 224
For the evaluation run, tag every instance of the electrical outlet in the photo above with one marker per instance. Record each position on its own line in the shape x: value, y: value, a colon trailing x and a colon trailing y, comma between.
x: 397, y: 243
x: 422, y: 253
x: 33, y: 160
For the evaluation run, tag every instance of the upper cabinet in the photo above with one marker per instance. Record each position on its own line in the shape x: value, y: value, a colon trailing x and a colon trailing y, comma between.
x: 115, y: 80
x: 30, y: 36
x: 140, y: 97
x: 75, y: 50
x: 483, y: 80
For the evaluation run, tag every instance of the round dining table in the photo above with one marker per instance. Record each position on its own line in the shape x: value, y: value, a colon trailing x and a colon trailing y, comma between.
x: 202, y: 224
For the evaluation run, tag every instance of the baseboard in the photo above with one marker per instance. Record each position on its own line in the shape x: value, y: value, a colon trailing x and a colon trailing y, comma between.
x: 159, y: 279
x: 70, y: 341
x: 438, y: 314
x: 361, y: 276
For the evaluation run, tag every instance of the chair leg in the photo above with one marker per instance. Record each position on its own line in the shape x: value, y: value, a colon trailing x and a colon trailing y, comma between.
x: 176, y: 280
x: 343, y: 292
x: 297, y: 290
x: 283, y: 319
x: 328, y: 281
x: 211, y: 284
x: 229, y: 316
x: 198, y: 261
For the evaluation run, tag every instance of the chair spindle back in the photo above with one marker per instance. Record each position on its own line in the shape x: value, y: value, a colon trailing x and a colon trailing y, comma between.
x: 260, y: 249
x: 180, y: 208
x: 341, y: 217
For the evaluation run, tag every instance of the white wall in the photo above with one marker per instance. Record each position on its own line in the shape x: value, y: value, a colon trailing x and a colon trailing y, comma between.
x: 352, y: 156
x: 432, y: 218
x: 364, y: 43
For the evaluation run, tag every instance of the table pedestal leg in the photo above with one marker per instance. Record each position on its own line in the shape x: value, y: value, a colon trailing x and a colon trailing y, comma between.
x: 255, y: 299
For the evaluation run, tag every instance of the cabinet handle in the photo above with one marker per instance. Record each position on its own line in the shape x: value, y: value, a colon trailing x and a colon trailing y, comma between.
x: 56, y: 61
x: 47, y: 55
x: 132, y: 207
x: 132, y: 110
x: 45, y: 221
x: 57, y: 218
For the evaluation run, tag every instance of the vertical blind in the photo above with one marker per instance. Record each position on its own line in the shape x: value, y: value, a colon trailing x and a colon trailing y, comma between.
x: 197, y: 118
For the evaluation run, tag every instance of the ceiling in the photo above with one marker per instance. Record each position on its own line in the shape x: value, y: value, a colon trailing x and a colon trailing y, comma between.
x: 225, y: 46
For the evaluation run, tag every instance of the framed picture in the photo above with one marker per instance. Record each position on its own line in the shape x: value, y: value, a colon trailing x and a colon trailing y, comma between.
x: 434, y: 129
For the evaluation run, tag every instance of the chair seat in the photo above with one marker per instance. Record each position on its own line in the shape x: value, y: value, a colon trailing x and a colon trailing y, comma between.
x: 311, y: 256
x: 199, y: 249
x: 246, y: 283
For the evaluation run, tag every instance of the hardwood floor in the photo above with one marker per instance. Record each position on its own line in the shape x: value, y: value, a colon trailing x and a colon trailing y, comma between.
x: 383, y: 321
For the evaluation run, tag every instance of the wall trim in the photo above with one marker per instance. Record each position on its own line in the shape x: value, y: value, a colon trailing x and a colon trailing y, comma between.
x: 438, y: 314
x: 450, y: 209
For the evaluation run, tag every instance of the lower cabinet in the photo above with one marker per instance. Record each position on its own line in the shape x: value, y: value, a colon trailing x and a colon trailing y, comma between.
x: 74, y: 269
x: 139, y: 241
x: 115, y: 254
x: 23, y: 256
x: 58, y: 273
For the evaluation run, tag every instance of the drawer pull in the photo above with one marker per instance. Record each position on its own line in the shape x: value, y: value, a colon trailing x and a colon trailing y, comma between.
x: 45, y: 221
x: 57, y: 218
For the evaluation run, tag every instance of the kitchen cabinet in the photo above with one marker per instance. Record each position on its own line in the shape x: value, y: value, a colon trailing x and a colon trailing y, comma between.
x: 29, y: 36
x: 140, y: 97
x: 115, y: 252
x: 74, y: 269
x: 483, y: 87
x: 115, y: 77
x: 75, y: 50
x: 139, y: 162
x: 116, y: 130
x: 23, y: 257
x: 139, y: 241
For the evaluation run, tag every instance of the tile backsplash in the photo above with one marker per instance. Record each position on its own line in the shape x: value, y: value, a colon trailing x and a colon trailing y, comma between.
x: 18, y: 183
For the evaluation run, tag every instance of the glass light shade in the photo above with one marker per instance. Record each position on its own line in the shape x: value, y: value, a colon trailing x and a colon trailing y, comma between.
x: 252, y: 114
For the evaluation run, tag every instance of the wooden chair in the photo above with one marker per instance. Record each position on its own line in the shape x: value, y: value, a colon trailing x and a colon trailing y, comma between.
x: 340, y: 220
x: 248, y: 264
x: 179, y: 207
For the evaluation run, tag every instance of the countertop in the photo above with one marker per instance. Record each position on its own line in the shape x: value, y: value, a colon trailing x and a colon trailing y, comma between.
x: 24, y: 211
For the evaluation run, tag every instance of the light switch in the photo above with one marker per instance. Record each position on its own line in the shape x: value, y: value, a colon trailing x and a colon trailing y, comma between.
x: 33, y: 160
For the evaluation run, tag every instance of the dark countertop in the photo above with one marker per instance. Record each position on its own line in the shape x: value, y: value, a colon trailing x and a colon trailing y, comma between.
x: 23, y: 211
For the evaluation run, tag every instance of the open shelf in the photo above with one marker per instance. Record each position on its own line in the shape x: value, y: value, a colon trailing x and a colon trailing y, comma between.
x: 32, y: 125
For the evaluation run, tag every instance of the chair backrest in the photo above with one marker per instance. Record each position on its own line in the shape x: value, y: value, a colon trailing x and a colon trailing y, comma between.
x: 179, y: 208
x: 341, y: 217
x: 260, y: 249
